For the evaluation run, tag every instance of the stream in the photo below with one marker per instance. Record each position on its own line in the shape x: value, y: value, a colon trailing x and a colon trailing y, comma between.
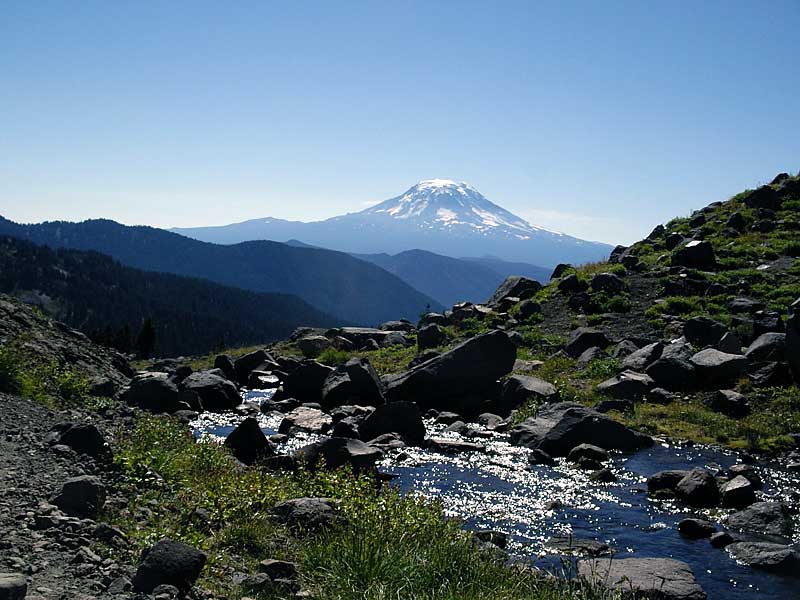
x: 498, y: 490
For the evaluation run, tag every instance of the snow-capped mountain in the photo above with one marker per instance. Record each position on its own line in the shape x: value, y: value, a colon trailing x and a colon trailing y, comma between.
x: 451, y: 206
x: 438, y: 215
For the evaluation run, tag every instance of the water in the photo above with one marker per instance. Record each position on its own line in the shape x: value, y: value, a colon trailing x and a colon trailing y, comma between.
x: 498, y: 490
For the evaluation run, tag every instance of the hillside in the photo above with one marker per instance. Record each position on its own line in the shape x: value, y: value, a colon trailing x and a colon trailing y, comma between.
x: 350, y: 289
x: 94, y: 293
x: 448, y: 280
x: 438, y: 215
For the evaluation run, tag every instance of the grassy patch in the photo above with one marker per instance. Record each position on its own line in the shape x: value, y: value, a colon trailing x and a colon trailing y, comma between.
x: 26, y: 374
x: 392, y: 545
x: 775, y: 413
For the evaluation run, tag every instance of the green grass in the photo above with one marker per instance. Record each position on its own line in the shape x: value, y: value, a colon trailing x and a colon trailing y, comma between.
x: 775, y: 414
x: 24, y: 373
x: 389, y: 546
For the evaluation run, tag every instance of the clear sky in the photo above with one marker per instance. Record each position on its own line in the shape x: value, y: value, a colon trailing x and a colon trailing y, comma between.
x: 599, y: 119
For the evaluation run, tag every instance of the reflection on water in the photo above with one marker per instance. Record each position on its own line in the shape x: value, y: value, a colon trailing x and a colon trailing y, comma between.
x: 499, y: 490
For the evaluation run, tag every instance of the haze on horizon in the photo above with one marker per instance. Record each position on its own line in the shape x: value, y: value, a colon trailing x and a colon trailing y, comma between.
x: 596, y: 119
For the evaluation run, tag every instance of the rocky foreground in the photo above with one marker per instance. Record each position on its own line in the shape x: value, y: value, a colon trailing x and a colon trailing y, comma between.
x: 690, y: 318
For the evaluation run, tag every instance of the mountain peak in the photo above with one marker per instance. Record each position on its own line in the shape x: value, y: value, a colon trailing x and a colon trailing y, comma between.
x: 449, y: 205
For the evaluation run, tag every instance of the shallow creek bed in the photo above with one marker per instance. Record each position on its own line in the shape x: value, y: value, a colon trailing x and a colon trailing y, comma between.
x: 549, y: 511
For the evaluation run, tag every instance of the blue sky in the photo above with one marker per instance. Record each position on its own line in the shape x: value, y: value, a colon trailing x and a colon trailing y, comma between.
x: 599, y: 119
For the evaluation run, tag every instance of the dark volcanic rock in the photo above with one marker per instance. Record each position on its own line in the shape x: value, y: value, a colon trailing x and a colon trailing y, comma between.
x: 13, y: 586
x: 672, y: 373
x: 767, y: 347
x: 83, y: 438
x: 305, y: 418
x: 169, y: 562
x: 696, y: 529
x: 739, y: 492
x: 469, y: 368
x: 247, y: 442
x: 763, y: 197
x: 714, y: 368
x: 657, y: 578
x: 775, y: 558
x: 519, y: 389
x: 642, y: 358
x: 698, y: 488
x: 515, y: 286
x: 763, y: 518
x: 307, y: 514
x: 729, y: 402
x: 559, y: 427
x: 430, y: 336
x: 244, y: 365
x: 703, y: 332
x: 216, y: 393
x: 402, y: 418
x: 337, y: 452
x: 154, y: 392
x: 82, y: 496
x: 607, y: 282
x: 696, y: 255
x: 627, y: 385
x: 665, y: 480
x: 354, y: 382
x: 306, y: 381
x: 583, y: 338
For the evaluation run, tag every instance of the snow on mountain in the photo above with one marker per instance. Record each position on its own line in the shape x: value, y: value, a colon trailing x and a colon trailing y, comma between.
x: 447, y: 205
x: 442, y: 216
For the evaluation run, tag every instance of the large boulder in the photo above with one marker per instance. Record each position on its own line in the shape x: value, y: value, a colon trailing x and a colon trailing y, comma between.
x: 248, y: 443
x: 306, y: 381
x: 224, y: 363
x: 729, y: 402
x: 307, y: 514
x: 246, y: 364
x: 354, y: 382
x: 642, y: 358
x: 583, y: 338
x: 13, y: 586
x: 775, y: 558
x: 430, y: 336
x: 399, y: 417
x: 338, y: 452
x: 519, y: 389
x: 304, y: 418
x: 628, y: 385
x: 703, y: 331
x: 763, y: 518
x: 793, y: 340
x: 607, y: 282
x: 313, y: 345
x: 656, y: 578
x: 82, y: 496
x: 767, y: 347
x: 84, y: 438
x: 739, y: 492
x: 559, y: 427
x: 763, y: 197
x: 696, y: 255
x: 216, y: 393
x: 672, y: 373
x: 154, y: 392
x: 698, y: 488
x: 470, y: 368
x: 714, y: 368
x: 514, y: 286
x: 169, y: 562
x: 665, y: 480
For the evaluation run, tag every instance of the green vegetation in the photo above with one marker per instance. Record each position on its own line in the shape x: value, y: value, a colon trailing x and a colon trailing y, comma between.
x: 389, y: 545
x: 775, y: 413
x: 24, y: 373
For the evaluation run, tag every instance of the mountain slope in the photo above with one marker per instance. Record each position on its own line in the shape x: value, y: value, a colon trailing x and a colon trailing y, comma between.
x: 448, y: 280
x: 94, y: 293
x: 350, y: 289
x: 436, y: 215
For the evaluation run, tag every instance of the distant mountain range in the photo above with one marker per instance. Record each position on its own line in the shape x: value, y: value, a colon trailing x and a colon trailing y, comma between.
x: 93, y: 293
x: 352, y: 290
x: 451, y: 280
x: 437, y: 215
